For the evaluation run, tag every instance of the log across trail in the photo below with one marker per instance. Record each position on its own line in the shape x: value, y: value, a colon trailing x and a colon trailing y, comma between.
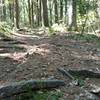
x: 26, y: 86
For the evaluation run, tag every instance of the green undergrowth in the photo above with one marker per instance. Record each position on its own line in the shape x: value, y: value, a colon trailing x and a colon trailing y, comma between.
x: 86, y: 37
x: 5, y: 30
x: 40, y: 95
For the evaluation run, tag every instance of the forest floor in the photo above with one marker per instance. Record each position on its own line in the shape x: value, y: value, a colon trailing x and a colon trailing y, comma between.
x: 38, y: 56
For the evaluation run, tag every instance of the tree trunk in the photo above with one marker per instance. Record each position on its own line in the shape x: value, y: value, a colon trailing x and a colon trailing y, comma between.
x: 4, y: 11
x: 66, y: 12
x: 32, y: 7
x: 11, y: 11
x: 29, y: 11
x: 40, y: 13
x: 69, y: 12
x: 74, y: 16
x: 50, y: 11
x: 98, y: 15
x: 61, y: 9
x: 45, y: 13
x: 1, y: 11
x: 56, y: 11
x: 17, y: 13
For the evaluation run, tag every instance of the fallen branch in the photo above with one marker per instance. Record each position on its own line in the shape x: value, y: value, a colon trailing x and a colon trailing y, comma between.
x: 64, y: 72
x: 26, y: 86
x: 81, y: 73
x: 85, y: 73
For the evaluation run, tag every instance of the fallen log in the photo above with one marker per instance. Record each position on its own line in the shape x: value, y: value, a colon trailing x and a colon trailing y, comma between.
x: 26, y: 86
x: 81, y: 73
x: 85, y: 73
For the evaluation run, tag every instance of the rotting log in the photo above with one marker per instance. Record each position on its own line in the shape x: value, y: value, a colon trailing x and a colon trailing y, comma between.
x: 81, y: 73
x: 26, y: 86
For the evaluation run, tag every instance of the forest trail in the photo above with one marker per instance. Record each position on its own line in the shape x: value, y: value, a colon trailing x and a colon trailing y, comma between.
x: 30, y: 57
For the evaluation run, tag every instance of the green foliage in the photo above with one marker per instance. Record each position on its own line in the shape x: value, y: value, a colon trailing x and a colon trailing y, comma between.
x: 40, y: 95
x: 80, y: 80
x: 5, y: 29
x: 85, y: 37
x: 51, y: 30
x: 84, y: 6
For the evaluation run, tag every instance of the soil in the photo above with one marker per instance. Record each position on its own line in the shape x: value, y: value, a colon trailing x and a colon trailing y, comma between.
x: 30, y: 56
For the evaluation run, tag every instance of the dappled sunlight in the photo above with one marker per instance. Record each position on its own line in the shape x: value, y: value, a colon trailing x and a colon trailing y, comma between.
x: 18, y: 56
x: 59, y: 27
x: 15, y: 56
x: 40, y: 49
x: 24, y: 35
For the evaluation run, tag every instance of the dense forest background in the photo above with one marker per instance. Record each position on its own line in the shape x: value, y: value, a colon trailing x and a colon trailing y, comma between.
x: 47, y: 44
x: 75, y: 15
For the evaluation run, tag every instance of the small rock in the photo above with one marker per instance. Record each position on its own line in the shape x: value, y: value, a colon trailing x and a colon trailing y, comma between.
x: 51, y: 77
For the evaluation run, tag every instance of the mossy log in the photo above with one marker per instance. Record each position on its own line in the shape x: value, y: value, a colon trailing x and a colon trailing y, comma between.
x: 26, y: 86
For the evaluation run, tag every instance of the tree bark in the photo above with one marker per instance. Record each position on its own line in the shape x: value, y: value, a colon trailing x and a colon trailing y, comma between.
x: 66, y: 12
x: 50, y: 11
x: 29, y: 11
x: 4, y: 11
x: 32, y: 15
x: 56, y: 11
x: 17, y: 13
x: 45, y: 13
x: 61, y: 9
x: 27, y: 86
x: 73, y: 25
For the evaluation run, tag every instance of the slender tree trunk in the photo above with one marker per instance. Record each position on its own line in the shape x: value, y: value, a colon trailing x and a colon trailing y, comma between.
x: 56, y: 11
x: 4, y: 10
x: 66, y: 11
x: 50, y: 12
x: 98, y: 15
x: 17, y: 13
x: 38, y: 12
x: 69, y: 12
x: 29, y: 11
x: 24, y: 11
x: 61, y: 9
x: 74, y: 16
x: 40, y: 15
x: 32, y: 7
x: 1, y: 11
x: 45, y: 13
x: 10, y: 10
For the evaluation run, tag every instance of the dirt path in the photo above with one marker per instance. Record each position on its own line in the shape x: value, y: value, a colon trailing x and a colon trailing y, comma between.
x: 39, y: 58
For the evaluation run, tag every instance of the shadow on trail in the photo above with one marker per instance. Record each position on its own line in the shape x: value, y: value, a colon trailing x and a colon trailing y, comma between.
x: 40, y: 57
